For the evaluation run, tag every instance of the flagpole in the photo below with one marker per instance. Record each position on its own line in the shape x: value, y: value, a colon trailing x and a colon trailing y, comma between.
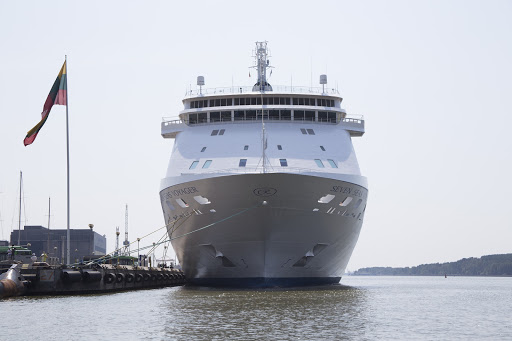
x: 67, y: 148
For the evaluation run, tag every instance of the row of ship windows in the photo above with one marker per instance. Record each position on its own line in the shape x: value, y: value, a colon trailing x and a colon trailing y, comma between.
x: 224, y: 102
x: 246, y: 147
x: 304, y: 131
x: 274, y: 114
x: 283, y: 162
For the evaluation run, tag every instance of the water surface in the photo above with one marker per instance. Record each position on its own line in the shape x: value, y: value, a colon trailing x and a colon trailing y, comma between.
x: 361, y: 308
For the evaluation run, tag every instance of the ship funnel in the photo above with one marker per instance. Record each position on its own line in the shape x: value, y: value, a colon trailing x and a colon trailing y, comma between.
x: 323, y: 81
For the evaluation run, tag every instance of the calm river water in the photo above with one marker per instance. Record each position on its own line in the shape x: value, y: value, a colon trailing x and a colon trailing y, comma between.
x: 361, y: 308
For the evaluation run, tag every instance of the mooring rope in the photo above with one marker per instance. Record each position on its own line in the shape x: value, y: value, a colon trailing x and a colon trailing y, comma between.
x: 173, y: 229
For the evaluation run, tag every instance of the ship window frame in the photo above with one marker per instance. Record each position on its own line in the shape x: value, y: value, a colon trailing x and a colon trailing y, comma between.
x: 309, y: 115
x: 192, y: 118
x: 225, y: 116
x: 286, y: 114
x: 298, y: 115
x: 319, y: 163
x: 283, y: 162
x: 215, y: 116
x: 250, y: 115
x: 202, y: 117
x: 239, y: 115
x: 242, y: 163
x: 193, y: 165
x: 207, y: 164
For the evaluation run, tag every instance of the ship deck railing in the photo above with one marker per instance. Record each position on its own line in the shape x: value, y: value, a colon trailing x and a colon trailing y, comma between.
x: 353, y: 119
x: 233, y: 90
x: 260, y: 170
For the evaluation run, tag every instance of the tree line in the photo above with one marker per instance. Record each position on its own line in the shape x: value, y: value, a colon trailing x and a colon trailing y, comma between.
x: 492, y: 265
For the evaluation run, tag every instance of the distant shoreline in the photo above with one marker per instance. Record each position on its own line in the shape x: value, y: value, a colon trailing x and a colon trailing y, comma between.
x: 486, y: 266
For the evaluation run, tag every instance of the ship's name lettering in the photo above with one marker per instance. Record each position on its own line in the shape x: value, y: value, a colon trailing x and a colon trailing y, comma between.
x: 347, y: 190
x: 181, y: 191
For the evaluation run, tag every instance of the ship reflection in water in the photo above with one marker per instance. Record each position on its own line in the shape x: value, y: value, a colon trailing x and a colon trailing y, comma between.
x: 307, y: 313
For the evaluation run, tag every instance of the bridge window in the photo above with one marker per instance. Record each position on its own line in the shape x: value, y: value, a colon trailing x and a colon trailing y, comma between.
x: 283, y: 162
x: 250, y: 115
x: 215, y: 116
x: 309, y: 115
x: 311, y: 131
x: 202, y: 117
x: 322, y: 147
x: 225, y: 116
x: 207, y: 163
x: 242, y: 163
x: 286, y: 115
x: 214, y: 133
x: 298, y: 115
x: 202, y: 150
x: 303, y: 131
x: 273, y: 114
x: 221, y: 132
x: 332, y: 163
x: 319, y: 163
x: 193, y: 165
x: 279, y: 147
x: 192, y: 118
x: 239, y: 115
x: 246, y: 147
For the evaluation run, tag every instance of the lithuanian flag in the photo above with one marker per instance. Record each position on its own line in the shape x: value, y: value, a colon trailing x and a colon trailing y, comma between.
x: 57, y: 95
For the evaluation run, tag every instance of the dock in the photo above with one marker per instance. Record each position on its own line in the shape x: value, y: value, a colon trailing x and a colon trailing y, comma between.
x: 40, y: 278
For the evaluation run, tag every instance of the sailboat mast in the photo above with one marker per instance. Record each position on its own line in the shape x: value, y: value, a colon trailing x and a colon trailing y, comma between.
x: 49, y: 211
x: 19, y: 218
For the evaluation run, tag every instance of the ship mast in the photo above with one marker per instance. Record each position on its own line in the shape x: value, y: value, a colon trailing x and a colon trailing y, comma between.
x: 261, y: 54
x: 262, y: 63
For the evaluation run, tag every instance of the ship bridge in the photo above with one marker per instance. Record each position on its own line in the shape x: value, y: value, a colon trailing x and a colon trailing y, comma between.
x: 262, y: 102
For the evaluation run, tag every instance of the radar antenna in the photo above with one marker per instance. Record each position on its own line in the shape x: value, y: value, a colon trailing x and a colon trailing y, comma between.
x: 261, y: 54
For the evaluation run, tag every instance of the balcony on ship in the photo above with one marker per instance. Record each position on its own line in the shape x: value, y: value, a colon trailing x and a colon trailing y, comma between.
x: 354, y: 124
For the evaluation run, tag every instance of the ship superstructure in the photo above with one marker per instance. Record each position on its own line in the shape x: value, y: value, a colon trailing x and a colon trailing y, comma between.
x: 263, y: 186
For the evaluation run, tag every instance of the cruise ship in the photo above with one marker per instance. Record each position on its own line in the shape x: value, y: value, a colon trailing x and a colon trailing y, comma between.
x: 263, y: 186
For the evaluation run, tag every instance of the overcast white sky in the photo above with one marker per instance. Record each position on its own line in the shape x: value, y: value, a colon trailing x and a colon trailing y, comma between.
x: 432, y: 79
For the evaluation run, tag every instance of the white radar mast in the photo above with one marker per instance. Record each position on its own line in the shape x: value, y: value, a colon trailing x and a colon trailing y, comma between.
x: 261, y: 54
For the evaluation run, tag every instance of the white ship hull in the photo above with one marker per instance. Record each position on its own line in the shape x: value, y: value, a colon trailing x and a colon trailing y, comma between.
x: 264, y: 229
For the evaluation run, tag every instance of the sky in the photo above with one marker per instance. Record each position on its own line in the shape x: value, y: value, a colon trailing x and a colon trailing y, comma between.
x: 432, y: 79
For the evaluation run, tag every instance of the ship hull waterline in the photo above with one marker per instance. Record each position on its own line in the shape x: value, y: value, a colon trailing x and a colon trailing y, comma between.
x: 264, y: 230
